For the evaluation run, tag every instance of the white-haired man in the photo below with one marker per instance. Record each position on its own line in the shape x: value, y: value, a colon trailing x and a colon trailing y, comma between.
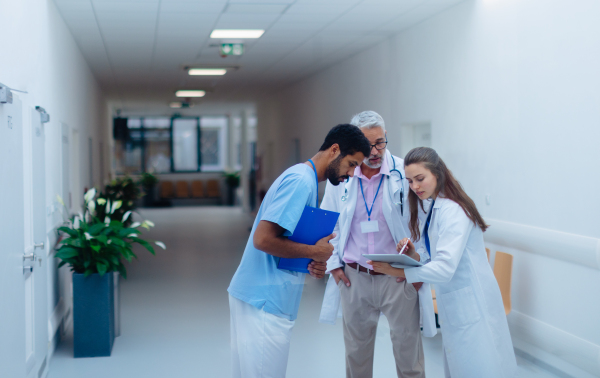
x: 374, y: 217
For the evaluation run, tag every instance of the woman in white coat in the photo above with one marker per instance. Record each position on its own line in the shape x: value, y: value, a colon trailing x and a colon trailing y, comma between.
x: 475, y: 333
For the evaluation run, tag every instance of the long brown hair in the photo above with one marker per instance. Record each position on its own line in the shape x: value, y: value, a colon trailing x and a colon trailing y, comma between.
x: 447, y: 185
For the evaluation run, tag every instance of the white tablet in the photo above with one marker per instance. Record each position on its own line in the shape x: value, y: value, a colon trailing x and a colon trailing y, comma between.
x: 397, y: 261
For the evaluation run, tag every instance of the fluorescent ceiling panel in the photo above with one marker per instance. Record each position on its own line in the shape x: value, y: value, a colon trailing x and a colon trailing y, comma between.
x: 207, y: 71
x: 190, y: 93
x: 236, y: 33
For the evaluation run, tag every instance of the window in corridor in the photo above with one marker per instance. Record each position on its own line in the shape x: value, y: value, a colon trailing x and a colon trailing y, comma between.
x: 170, y: 144
x: 213, y: 143
x: 185, y: 144
x: 157, y: 147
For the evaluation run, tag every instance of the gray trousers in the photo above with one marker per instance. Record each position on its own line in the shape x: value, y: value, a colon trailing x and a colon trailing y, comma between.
x: 362, y: 303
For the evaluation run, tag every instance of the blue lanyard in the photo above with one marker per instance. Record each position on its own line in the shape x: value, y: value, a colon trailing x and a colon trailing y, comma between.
x: 317, y: 178
x: 426, y: 232
x: 363, y: 194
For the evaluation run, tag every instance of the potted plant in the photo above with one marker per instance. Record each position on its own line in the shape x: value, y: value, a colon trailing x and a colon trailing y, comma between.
x: 149, y: 182
x: 232, y: 179
x: 94, y: 248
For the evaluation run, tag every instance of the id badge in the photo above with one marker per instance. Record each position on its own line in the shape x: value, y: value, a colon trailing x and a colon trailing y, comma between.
x: 369, y: 226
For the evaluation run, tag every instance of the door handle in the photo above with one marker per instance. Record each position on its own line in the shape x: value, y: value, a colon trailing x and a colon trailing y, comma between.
x: 39, y: 245
x: 30, y: 256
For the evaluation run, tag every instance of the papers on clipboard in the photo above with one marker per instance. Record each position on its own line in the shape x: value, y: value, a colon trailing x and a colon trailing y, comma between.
x: 395, y: 260
x: 314, y: 224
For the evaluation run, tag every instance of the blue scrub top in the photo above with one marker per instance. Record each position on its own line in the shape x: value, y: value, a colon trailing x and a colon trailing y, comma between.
x: 257, y: 280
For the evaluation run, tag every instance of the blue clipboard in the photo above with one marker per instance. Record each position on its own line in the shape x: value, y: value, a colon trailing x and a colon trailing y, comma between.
x: 314, y: 224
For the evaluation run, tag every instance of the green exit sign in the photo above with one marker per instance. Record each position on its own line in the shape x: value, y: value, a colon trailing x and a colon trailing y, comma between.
x: 232, y: 48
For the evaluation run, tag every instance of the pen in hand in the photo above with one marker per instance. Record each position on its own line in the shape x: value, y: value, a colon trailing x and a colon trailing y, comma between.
x: 404, y: 247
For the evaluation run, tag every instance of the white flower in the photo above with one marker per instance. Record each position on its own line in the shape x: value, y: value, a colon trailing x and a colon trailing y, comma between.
x: 160, y: 244
x: 91, y: 206
x: 87, y: 236
x: 107, y: 209
x: 131, y: 235
x: 107, y: 220
x: 136, y: 224
x: 125, y: 216
x: 110, y: 241
x: 60, y: 200
x: 90, y: 195
x: 116, y: 205
x: 147, y: 224
x: 76, y: 223
x: 101, y: 201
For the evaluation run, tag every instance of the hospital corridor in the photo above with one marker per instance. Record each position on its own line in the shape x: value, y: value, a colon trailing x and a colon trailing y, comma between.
x: 299, y: 188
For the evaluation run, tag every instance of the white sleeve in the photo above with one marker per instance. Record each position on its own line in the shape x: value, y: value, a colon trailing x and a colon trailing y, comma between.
x: 454, y: 230
x: 330, y: 203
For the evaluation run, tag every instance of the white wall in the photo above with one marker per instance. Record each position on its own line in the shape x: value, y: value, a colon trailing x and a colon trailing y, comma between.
x: 38, y: 55
x: 512, y: 91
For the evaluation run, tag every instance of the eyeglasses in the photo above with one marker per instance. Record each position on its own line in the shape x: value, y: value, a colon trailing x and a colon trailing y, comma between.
x: 380, y: 145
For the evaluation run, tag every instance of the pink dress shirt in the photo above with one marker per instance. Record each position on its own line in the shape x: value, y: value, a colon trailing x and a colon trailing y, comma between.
x: 373, y: 242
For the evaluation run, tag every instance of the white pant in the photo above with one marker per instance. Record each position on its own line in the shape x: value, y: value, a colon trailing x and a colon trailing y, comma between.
x: 260, y: 341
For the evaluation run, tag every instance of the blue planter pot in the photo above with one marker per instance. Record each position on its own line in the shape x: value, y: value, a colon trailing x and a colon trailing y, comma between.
x: 93, y: 315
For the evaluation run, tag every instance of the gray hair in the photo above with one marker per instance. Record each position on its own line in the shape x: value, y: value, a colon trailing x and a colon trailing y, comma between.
x: 368, y: 119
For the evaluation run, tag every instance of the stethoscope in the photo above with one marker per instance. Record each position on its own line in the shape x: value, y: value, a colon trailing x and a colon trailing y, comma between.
x: 392, y: 171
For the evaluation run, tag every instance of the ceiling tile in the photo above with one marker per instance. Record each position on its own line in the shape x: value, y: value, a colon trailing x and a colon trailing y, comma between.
x: 195, y: 7
x: 125, y: 6
x: 244, y: 8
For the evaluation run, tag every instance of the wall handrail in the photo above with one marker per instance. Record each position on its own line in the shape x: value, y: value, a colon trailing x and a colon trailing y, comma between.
x: 573, y: 248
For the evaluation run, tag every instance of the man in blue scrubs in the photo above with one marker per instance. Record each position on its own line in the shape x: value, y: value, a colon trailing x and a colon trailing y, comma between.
x: 263, y: 299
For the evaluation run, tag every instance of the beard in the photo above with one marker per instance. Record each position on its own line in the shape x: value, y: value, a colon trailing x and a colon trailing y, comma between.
x: 333, y: 172
x: 374, y: 166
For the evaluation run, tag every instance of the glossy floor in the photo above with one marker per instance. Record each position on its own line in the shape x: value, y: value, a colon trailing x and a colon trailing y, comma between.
x: 175, y: 315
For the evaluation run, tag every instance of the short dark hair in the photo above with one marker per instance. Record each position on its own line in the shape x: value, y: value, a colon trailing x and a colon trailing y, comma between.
x: 350, y: 139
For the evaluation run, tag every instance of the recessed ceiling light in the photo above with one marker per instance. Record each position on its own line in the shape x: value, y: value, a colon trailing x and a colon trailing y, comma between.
x: 175, y: 105
x: 189, y: 93
x: 207, y: 71
x: 236, y: 33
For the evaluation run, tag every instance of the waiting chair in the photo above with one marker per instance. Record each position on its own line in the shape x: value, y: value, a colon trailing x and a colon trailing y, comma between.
x: 503, y: 272
x: 166, y: 189
x: 197, y: 189
x: 212, y: 188
x: 182, y: 189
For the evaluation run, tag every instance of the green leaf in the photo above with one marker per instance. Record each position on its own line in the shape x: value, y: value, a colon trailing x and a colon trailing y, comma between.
x: 95, y: 247
x: 102, y: 267
x: 128, y: 231
x: 67, y: 253
x: 121, y: 269
x: 144, y: 243
x: 116, y: 225
x: 61, y: 264
x: 69, y: 231
x: 87, y: 263
x: 114, y: 259
x: 102, y: 239
x: 95, y: 229
x: 88, y: 272
x: 117, y: 241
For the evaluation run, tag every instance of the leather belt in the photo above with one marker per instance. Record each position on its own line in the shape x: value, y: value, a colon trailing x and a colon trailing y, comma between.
x: 363, y: 269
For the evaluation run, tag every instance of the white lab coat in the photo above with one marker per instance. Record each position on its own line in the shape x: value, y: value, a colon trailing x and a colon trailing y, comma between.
x: 475, y: 333
x: 397, y: 223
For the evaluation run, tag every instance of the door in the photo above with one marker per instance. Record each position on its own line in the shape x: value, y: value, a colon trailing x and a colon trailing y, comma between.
x: 36, y: 317
x: 12, y: 242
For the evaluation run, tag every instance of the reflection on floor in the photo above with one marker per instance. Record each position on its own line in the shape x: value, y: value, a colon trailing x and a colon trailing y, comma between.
x: 175, y: 316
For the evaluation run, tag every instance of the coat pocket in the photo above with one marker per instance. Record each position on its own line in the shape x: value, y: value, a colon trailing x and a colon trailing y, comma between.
x: 460, y: 307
